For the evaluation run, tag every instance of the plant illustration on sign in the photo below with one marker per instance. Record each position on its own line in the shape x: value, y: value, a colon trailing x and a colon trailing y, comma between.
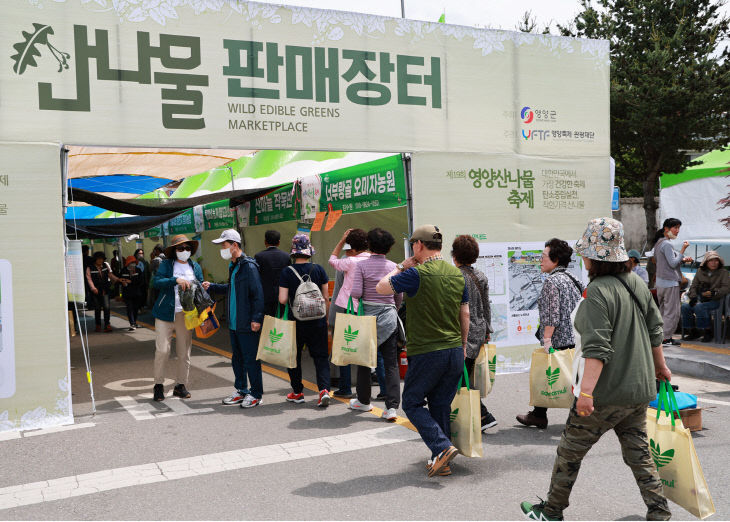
x: 552, y: 375
x: 660, y: 459
x: 350, y: 335
x: 27, y: 50
x: 275, y: 337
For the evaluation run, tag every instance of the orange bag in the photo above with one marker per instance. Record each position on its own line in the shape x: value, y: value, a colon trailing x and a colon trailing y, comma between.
x: 210, y: 324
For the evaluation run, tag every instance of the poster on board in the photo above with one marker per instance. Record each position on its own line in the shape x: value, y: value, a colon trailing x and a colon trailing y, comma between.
x: 7, y: 341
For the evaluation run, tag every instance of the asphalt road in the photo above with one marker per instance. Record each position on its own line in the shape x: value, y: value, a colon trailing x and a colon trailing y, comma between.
x: 288, y: 461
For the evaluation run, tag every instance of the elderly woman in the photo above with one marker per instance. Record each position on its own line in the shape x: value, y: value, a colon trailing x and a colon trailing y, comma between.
x: 621, y: 334
x: 559, y: 296
x: 176, y: 271
x: 464, y: 252
x: 709, y: 287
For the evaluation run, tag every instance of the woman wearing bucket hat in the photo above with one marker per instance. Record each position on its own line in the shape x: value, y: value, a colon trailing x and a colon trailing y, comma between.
x: 621, y: 337
x: 709, y: 287
x: 177, y: 270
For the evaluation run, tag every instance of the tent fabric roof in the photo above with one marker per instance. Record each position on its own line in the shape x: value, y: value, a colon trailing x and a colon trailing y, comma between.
x: 169, y: 164
x: 714, y: 163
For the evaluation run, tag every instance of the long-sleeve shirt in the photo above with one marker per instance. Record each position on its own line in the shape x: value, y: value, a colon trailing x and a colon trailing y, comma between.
x: 366, y: 276
x: 346, y: 265
x: 615, y: 330
x: 668, y: 263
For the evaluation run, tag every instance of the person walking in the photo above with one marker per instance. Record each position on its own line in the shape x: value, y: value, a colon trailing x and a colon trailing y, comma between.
x: 437, y: 324
x: 245, y: 316
x: 635, y: 266
x: 669, y: 276
x: 176, y: 271
x: 156, y: 258
x: 465, y: 251
x: 709, y: 287
x: 357, y: 241
x: 560, y: 293
x: 366, y: 276
x: 621, y: 334
x: 99, y: 277
x: 133, y: 290
x: 143, y: 267
x: 271, y: 262
x: 313, y: 332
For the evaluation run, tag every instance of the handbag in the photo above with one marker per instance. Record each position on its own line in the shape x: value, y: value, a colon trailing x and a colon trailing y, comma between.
x: 465, y: 417
x: 210, y: 324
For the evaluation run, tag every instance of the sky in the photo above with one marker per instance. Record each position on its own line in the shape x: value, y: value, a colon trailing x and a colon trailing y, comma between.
x: 495, y: 14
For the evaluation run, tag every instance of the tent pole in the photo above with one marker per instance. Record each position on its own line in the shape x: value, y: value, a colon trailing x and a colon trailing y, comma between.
x: 236, y: 223
x: 409, y: 194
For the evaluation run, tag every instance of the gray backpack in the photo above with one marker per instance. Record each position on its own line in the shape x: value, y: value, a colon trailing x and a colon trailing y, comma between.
x: 308, y: 302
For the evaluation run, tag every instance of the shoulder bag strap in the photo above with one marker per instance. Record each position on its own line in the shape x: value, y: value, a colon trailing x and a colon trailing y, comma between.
x: 296, y: 273
x: 633, y: 295
x: 576, y: 283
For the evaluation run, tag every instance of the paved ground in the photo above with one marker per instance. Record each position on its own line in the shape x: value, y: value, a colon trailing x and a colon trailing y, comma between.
x: 198, y: 459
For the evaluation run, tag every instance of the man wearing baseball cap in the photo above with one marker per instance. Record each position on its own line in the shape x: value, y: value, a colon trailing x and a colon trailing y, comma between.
x: 437, y: 326
x: 245, y: 315
x: 633, y: 262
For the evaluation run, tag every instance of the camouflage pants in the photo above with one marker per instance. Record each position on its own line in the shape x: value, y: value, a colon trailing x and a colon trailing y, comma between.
x: 579, y: 436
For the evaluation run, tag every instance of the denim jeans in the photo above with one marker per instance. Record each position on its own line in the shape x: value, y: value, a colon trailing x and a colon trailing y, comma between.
x: 244, y: 346
x: 432, y: 377
x: 315, y: 337
x: 345, y: 381
x: 101, y: 302
x: 701, y: 312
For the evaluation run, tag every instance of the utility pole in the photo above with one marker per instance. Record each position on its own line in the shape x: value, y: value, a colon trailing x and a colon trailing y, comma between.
x: 402, y: 8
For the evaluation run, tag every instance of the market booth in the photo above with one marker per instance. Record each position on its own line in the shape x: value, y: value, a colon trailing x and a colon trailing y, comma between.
x: 507, y: 133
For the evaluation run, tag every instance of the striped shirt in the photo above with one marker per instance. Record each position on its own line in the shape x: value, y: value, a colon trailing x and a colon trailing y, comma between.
x: 367, y: 274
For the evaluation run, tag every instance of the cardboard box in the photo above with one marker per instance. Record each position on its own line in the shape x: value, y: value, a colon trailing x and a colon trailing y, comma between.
x: 691, y: 418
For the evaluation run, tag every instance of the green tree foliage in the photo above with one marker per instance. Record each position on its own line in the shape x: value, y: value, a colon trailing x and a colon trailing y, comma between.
x: 670, y: 85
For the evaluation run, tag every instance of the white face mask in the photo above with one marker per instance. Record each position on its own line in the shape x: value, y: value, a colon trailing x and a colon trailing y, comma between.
x: 183, y: 256
x: 226, y: 253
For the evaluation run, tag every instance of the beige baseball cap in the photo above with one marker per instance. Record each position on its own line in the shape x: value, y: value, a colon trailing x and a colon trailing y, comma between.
x: 426, y: 233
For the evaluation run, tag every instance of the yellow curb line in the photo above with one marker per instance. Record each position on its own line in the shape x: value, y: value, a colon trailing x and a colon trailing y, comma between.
x: 378, y: 412
x: 710, y: 349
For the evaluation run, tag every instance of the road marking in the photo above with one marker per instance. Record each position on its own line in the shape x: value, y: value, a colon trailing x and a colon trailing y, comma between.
x: 710, y: 349
x: 285, y: 376
x: 142, y: 411
x: 713, y: 401
x: 111, y: 479
x: 125, y: 384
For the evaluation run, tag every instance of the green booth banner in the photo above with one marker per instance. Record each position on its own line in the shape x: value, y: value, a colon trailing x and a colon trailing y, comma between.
x: 219, y: 215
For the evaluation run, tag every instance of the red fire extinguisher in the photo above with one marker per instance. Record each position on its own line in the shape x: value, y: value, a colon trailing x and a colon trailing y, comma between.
x: 403, y: 363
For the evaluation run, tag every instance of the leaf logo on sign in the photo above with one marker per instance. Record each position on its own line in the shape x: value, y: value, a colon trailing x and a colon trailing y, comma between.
x: 27, y: 50
x: 660, y: 459
x: 552, y: 375
x: 275, y: 337
x: 350, y: 335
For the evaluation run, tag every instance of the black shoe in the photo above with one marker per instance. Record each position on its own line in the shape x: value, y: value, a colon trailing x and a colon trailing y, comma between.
x: 342, y: 395
x: 380, y: 397
x: 159, y: 392
x: 709, y: 336
x: 181, y: 391
x: 488, y: 421
x: 691, y: 334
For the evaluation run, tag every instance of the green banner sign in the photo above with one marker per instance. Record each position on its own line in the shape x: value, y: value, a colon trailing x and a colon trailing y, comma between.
x: 182, y: 224
x: 219, y: 215
x: 273, y: 208
x: 376, y: 185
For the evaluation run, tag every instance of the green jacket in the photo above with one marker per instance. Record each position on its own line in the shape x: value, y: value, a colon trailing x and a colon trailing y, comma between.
x: 614, y: 330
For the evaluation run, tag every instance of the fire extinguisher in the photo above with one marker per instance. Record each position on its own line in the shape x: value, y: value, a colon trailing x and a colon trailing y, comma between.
x: 403, y: 363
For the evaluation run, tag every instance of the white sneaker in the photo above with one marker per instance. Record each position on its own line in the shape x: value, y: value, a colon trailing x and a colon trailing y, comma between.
x: 390, y: 414
x: 359, y: 406
x: 249, y: 401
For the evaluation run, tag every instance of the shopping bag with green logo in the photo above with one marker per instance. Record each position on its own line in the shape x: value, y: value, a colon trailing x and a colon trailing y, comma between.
x: 278, y: 341
x: 466, y: 433
x: 550, y: 378
x: 485, y: 367
x: 355, y: 339
x: 674, y: 454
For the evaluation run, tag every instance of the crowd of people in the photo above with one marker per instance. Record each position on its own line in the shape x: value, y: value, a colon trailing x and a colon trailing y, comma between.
x: 447, y: 321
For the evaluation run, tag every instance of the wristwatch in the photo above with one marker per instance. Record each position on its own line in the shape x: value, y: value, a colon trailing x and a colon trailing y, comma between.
x: 400, y: 267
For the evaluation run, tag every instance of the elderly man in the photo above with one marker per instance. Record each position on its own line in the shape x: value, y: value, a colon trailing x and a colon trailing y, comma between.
x: 437, y: 326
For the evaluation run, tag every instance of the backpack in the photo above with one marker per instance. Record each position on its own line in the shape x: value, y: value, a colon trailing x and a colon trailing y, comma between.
x: 308, y: 302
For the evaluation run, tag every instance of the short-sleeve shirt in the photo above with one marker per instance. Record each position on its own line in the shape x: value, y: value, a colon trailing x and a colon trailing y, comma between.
x: 291, y: 281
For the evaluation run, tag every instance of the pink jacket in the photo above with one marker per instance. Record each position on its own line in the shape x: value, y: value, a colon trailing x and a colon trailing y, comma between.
x: 346, y: 265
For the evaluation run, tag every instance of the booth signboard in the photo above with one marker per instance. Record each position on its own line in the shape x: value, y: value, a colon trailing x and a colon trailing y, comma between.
x: 375, y: 185
x: 275, y: 207
x: 219, y: 215
x: 183, y: 223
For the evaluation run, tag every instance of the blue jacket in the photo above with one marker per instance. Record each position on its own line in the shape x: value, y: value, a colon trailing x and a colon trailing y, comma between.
x: 245, y: 295
x: 166, y: 282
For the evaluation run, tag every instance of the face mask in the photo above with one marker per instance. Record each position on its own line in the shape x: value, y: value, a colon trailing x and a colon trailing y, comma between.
x: 226, y: 253
x: 183, y: 256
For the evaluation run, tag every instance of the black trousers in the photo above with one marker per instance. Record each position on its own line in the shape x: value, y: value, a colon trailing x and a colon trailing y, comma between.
x: 389, y: 351
x: 470, y: 370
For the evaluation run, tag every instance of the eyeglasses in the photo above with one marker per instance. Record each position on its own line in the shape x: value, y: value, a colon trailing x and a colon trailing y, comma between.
x: 182, y: 249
